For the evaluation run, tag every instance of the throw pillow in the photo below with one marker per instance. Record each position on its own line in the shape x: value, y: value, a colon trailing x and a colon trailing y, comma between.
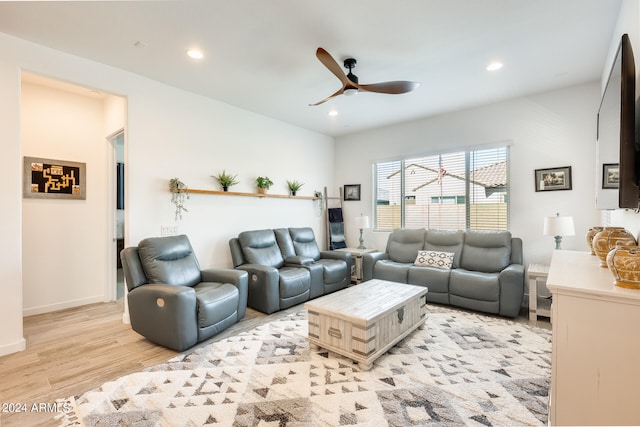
x: 436, y: 259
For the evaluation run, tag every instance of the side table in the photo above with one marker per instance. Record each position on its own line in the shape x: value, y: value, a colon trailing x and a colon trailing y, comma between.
x: 356, y: 253
x: 537, y: 306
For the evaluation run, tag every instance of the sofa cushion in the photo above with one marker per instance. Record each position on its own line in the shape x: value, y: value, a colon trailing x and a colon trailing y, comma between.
x: 260, y: 247
x: 445, y: 241
x: 169, y: 260
x: 215, y: 302
x: 436, y: 279
x: 486, y: 251
x: 304, y: 242
x: 391, y: 271
x: 434, y: 259
x: 294, y: 281
x: 335, y: 270
x: 403, y: 244
x: 474, y: 285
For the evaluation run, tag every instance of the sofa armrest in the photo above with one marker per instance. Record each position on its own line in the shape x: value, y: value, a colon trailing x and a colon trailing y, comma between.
x: 369, y: 261
x: 264, y: 290
x: 238, y: 278
x: 165, y: 314
x: 511, y: 290
x: 340, y: 255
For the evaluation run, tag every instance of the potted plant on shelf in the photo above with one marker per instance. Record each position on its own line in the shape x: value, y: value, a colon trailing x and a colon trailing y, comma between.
x: 263, y: 183
x: 294, y: 186
x: 179, y: 193
x: 225, y: 179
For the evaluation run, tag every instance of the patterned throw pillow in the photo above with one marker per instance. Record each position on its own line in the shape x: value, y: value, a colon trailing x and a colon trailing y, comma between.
x: 436, y: 259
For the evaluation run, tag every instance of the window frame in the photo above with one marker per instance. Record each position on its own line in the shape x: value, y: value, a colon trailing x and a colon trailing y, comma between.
x: 467, y: 197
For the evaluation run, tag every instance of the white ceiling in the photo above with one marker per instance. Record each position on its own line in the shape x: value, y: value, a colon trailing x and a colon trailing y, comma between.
x: 260, y: 54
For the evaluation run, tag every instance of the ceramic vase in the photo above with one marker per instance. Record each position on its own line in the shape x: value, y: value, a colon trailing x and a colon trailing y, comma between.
x: 624, y: 263
x: 590, y: 235
x: 609, y: 238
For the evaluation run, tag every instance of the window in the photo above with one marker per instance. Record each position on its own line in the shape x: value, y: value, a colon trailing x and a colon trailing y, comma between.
x: 453, y: 191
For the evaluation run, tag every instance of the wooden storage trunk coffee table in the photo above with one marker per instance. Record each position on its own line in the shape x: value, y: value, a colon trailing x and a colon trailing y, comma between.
x: 362, y: 322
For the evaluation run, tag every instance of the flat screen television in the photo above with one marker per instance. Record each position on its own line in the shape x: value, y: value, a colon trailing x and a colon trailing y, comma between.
x: 617, y: 129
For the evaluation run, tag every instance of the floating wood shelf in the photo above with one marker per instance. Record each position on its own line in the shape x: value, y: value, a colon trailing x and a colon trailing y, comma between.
x: 235, y: 193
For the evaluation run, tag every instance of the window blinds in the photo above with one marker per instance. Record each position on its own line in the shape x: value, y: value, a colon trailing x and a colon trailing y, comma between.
x: 454, y: 191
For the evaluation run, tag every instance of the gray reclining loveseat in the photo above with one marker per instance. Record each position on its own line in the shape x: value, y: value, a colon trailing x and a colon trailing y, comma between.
x: 478, y: 270
x: 286, y: 267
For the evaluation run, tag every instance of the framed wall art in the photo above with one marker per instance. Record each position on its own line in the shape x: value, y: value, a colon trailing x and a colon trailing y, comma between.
x: 352, y: 192
x: 610, y: 175
x: 54, y: 179
x: 553, y: 179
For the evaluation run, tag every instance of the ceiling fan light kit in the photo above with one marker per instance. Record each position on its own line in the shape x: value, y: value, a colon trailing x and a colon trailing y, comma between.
x: 350, y: 84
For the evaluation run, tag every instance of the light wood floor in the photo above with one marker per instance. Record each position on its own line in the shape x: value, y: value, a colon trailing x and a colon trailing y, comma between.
x: 73, y: 351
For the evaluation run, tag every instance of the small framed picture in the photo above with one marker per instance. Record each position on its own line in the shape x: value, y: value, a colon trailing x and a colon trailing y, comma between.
x: 610, y: 175
x: 352, y: 192
x: 553, y: 179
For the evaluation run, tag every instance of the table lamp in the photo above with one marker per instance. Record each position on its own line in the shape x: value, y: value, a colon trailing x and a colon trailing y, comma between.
x: 558, y: 226
x: 361, y: 223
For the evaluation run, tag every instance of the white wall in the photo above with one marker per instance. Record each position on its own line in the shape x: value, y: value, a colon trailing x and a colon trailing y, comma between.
x: 64, y: 255
x: 169, y: 133
x: 552, y: 129
x: 176, y: 134
x: 11, y: 339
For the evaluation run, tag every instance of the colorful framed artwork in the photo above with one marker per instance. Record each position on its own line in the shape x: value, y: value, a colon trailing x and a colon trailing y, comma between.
x: 54, y: 179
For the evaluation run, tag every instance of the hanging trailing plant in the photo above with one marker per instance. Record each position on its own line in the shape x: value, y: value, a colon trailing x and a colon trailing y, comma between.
x: 179, y: 193
x: 320, y: 201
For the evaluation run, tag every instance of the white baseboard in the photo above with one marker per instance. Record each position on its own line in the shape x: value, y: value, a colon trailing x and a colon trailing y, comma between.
x: 13, y: 348
x: 61, y: 305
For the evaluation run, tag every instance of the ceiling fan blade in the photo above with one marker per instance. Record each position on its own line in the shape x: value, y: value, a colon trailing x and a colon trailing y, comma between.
x: 339, y: 92
x: 328, y: 61
x: 394, y: 88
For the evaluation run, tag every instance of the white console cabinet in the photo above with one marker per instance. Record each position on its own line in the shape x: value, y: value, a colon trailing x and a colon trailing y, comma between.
x: 596, y: 344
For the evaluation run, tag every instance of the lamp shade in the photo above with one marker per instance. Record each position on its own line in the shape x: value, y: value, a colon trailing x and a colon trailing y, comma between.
x: 362, y: 222
x: 559, y: 226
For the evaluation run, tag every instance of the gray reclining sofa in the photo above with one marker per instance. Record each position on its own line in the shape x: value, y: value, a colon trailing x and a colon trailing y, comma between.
x: 286, y: 267
x: 478, y: 270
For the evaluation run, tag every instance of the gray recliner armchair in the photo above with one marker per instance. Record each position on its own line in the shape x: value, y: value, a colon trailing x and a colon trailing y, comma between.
x: 274, y: 284
x: 171, y: 301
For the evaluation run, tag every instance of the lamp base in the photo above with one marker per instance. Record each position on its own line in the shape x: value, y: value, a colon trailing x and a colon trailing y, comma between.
x: 558, y: 242
x: 361, y: 241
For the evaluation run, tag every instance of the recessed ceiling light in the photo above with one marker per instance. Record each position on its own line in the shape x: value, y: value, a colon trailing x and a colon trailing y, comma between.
x: 195, y: 53
x: 494, y: 66
x: 333, y: 113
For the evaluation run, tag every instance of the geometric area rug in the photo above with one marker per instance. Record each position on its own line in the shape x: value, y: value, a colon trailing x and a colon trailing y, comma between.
x: 460, y: 369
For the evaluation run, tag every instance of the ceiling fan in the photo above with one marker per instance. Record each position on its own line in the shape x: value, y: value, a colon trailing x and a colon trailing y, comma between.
x: 350, y: 85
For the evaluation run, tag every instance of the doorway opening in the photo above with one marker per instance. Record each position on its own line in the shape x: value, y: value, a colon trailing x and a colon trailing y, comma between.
x: 69, y: 246
x: 117, y: 142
